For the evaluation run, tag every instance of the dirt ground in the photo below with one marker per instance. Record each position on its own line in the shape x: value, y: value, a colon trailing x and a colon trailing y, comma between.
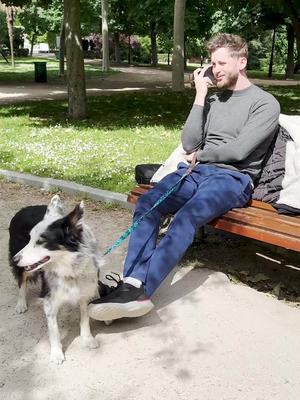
x: 207, y: 338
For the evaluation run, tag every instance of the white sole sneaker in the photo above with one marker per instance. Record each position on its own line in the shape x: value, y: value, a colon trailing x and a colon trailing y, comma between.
x: 111, y: 311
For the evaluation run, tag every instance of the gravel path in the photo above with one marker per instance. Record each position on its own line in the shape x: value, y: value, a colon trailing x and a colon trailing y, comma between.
x: 207, y: 338
x: 129, y: 79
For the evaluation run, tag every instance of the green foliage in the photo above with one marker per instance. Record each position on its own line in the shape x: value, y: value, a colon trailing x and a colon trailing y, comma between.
x: 53, y: 14
x: 198, y: 18
x: 90, y: 16
x: 260, y: 51
x: 142, y: 52
x: 232, y: 19
x: 195, y: 48
x: 33, y: 19
x: 51, y: 39
x: 165, y: 42
x: 252, y: 19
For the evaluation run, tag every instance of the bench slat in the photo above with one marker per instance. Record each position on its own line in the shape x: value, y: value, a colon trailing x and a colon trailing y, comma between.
x: 263, y: 235
x: 265, y: 220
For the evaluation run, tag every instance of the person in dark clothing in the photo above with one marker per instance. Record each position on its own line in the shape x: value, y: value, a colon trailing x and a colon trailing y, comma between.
x: 228, y: 133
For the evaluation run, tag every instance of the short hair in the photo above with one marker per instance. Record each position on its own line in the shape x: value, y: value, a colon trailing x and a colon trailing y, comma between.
x: 237, y: 46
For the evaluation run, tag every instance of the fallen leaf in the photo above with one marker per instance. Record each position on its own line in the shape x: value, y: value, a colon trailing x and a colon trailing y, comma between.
x: 276, y: 290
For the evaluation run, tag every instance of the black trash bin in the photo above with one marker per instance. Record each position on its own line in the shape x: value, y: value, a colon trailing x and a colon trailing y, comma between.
x: 40, y: 71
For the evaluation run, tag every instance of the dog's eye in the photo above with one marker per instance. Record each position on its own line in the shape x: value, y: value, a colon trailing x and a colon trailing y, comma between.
x: 40, y: 242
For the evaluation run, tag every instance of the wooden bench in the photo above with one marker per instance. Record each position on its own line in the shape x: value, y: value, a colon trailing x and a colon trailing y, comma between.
x: 258, y: 220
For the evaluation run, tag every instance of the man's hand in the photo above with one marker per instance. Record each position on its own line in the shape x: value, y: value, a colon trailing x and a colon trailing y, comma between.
x: 202, y: 84
x: 189, y: 157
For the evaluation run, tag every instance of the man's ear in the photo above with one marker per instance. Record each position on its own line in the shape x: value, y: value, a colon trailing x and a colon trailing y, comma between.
x: 243, y: 63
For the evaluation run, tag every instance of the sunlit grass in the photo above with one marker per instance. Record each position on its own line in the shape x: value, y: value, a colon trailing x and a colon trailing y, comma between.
x: 122, y: 131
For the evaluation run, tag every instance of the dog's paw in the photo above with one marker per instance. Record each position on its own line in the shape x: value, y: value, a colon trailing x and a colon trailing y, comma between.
x: 109, y: 322
x: 90, y: 342
x: 21, y: 307
x: 57, y: 356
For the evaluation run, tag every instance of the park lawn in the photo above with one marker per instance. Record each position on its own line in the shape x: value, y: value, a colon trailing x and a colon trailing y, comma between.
x: 258, y: 74
x: 24, y: 70
x: 122, y: 131
x: 264, y: 75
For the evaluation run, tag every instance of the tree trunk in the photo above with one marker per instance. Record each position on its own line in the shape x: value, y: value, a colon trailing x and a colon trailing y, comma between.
x: 32, y: 44
x: 62, y: 47
x: 296, y: 26
x: 105, y: 40
x: 184, y: 52
x: 129, y: 49
x: 290, y: 53
x: 178, y: 52
x: 153, y: 36
x: 297, y: 65
x: 117, y: 47
x: 10, y: 28
x: 272, y: 55
x: 75, y: 64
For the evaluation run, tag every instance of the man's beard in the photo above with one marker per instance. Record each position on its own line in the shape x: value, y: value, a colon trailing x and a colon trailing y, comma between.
x: 229, y: 81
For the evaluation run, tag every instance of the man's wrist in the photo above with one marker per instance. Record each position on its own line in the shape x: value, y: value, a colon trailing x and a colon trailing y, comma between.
x: 200, y: 99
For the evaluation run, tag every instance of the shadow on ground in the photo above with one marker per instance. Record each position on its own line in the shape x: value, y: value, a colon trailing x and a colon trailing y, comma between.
x: 124, y: 110
x: 264, y: 267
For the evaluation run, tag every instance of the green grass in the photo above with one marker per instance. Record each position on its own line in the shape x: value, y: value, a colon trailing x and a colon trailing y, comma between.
x: 24, y: 70
x: 123, y: 130
x: 264, y: 75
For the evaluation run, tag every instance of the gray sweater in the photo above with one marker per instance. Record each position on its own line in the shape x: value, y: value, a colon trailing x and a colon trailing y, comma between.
x: 233, y: 130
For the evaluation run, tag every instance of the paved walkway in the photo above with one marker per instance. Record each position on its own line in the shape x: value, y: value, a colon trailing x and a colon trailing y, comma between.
x: 129, y: 79
x: 206, y: 339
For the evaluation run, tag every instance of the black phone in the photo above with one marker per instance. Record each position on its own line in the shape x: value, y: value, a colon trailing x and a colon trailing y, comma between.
x: 209, y: 74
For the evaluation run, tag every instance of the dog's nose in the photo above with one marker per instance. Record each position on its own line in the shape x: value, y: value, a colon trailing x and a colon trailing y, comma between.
x: 16, y: 258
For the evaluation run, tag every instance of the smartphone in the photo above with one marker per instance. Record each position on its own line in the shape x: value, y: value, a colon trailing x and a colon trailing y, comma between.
x: 209, y: 74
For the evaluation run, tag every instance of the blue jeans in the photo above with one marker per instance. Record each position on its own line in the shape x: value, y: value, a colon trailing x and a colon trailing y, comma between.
x: 205, y: 194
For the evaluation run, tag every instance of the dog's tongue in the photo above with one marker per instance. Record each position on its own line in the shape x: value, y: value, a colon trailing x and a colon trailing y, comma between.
x: 34, y: 266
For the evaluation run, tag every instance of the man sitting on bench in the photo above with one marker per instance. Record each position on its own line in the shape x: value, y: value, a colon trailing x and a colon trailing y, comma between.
x: 228, y: 133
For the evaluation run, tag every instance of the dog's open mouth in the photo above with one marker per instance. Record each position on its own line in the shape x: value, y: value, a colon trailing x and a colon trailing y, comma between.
x: 33, y: 267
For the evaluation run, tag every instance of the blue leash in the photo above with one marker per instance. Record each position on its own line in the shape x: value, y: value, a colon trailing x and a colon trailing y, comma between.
x: 133, y: 227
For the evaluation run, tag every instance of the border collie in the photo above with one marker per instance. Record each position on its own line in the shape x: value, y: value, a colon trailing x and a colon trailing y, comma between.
x: 62, y: 251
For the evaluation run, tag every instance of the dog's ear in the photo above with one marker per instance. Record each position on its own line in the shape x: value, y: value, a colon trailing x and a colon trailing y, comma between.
x: 73, y: 227
x: 76, y: 216
x: 55, y: 205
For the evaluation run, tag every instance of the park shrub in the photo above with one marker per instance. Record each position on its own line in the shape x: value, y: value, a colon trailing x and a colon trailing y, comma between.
x: 91, y: 54
x: 21, y: 52
x: 141, y: 49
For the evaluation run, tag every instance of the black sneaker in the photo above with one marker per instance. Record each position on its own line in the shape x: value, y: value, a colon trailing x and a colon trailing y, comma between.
x: 104, y: 289
x: 124, y: 300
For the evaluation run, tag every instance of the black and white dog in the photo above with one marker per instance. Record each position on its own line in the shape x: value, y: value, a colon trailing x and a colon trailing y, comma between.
x: 62, y: 251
